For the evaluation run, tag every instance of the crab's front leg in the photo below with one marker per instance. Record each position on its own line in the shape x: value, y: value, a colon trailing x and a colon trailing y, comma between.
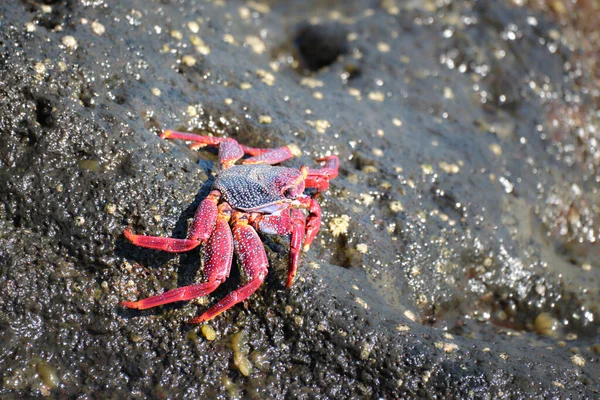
x: 313, y: 220
x: 253, y: 259
x: 217, y: 265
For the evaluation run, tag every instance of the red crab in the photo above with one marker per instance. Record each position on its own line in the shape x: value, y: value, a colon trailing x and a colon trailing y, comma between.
x: 254, y: 196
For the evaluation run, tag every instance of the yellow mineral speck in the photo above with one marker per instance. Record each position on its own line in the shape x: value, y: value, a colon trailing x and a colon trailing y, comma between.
x: 265, y: 119
x: 377, y: 96
x: 410, y: 315
x: 265, y: 76
x: 69, y: 42
x: 402, y: 328
x: 97, y: 28
x: 398, y: 169
x: 390, y: 7
x: 586, y: 266
x: 308, y: 111
x: 258, y: 6
x: 110, y: 208
x: 188, y: 60
x: 545, y: 324
x: 191, y: 111
x: 365, y: 350
x: 447, y: 347
x: 339, y: 225
x: 298, y: 320
x: 361, y: 303
x: 245, y: 86
x: 378, y: 152
x: 318, y: 95
x: 448, y: 93
x: 355, y: 93
x: 578, y: 360
x: 208, y: 332
x: 155, y: 91
x: 39, y: 67
x: 383, y: 47
x: 228, y: 101
x: 46, y: 9
x: 321, y: 125
x: 559, y: 7
x: 366, y: 199
x: 397, y: 122
x: 228, y: 38
x: 496, y: 149
x: 362, y: 248
x: 427, y: 169
x: 175, y: 34
x: 380, y: 133
x: 405, y: 59
x: 201, y: 47
x: 504, y: 356
x: 30, y: 27
x: 47, y: 374
x: 243, y: 364
x: 311, y: 82
x: 257, y: 45
x: 294, y: 149
x: 369, y: 169
x: 396, y: 206
x: 558, y: 384
x: 244, y: 12
x: 352, y: 36
x: 449, y: 168
x: 193, y: 26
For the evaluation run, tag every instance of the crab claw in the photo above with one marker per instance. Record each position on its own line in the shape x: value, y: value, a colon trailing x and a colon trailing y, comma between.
x: 319, y: 178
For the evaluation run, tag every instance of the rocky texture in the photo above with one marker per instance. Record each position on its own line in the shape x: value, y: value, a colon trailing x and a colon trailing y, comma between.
x: 466, y: 212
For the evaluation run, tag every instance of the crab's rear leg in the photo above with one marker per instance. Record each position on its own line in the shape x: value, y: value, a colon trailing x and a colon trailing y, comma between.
x: 230, y: 150
x: 219, y: 254
x: 253, y: 259
x: 319, y: 178
x: 202, y: 227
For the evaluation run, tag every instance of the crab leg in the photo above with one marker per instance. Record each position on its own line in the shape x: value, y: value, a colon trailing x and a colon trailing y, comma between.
x: 292, y: 222
x: 319, y: 178
x: 253, y: 259
x: 219, y: 253
x: 313, y: 220
x: 202, y: 226
x: 274, y: 156
x: 234, y: 151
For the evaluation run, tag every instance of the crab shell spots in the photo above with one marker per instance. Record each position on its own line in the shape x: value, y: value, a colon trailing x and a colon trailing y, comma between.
x: 256, y: 187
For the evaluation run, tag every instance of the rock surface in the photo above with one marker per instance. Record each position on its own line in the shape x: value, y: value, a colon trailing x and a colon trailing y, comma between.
x: 458, y: 256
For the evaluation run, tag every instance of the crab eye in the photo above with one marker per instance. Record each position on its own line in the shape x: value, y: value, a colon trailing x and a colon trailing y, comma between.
x: 290, y: 193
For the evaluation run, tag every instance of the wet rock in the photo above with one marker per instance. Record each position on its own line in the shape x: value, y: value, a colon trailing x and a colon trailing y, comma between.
x: 466, y: 201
